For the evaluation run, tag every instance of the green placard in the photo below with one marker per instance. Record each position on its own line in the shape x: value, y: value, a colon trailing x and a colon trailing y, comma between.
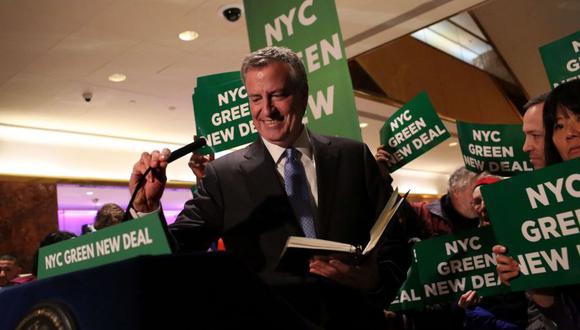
x: 410, y: 295
x: 450, y: 265
x: 562, y: 59
x: 143, y: 236
x: 537, y: 216
x: 412, y: 131
x: 311, y: 29
x: 222, y: 112
x: 493, y: 148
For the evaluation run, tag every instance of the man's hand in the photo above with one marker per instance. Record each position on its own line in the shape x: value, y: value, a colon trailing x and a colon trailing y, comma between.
x: 469, y: 299
x: 506, y: 267
x: 147, y: 199
x: 197, y: 162
x: 363, y: 276
x: 384, y: 160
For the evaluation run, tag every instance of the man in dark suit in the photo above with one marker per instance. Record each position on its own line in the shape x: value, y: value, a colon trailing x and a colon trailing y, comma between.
x: 254, y: 201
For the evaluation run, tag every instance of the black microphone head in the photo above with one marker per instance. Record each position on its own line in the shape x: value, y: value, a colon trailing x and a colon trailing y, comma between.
x: 197, y: 144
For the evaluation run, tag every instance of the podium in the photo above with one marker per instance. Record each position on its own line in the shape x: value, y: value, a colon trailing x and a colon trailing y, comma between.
x: 194, y: 291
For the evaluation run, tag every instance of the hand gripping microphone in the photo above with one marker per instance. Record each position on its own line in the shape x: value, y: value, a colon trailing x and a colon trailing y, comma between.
x: 201, y: 142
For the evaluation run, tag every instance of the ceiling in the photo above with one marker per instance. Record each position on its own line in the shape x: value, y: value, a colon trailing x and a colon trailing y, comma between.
x: 53, y: 51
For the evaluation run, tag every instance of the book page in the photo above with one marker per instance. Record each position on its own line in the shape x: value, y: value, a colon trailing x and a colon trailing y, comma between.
x: 383, y: 220
x: 318, y: 244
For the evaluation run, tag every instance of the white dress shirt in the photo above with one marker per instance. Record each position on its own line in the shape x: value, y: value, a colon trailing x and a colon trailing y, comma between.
x: 302, y: 144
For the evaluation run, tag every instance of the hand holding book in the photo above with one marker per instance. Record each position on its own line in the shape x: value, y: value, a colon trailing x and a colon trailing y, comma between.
x: 299, y: 250
x: 361, y: 274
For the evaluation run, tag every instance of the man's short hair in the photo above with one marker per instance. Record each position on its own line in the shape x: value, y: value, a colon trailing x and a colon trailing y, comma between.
x: 265, y: 56
x: 460, y: 179
x: 9, y: 257
x: 536, y: 100
x: 55, y: 237
x: 108, y: 215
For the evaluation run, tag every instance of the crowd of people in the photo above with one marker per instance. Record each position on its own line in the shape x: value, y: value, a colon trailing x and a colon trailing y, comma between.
x: 294, y: 182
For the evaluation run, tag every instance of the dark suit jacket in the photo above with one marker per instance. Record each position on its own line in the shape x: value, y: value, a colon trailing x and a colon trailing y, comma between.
x: 242, y: 200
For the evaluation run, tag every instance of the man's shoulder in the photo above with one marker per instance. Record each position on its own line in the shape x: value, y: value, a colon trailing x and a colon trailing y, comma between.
x: 234, y: 157
x: 336, y: 141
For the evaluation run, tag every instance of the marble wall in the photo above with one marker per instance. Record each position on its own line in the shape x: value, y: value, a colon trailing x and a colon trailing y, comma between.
x: 28, y: 212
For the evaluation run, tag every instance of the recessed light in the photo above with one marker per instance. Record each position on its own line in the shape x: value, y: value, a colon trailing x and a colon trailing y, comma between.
x: 363, y: 125
x: 188, y: 35
x: 452, y: 144
x: 89, y: 193
x: 117, y: 77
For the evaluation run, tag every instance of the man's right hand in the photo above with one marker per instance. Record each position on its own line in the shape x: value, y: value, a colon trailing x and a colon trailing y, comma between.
x: 148, y: 198
x: 506, y: 267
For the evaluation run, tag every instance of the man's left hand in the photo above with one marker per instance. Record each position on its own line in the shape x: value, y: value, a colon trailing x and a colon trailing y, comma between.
x: 362, y: 276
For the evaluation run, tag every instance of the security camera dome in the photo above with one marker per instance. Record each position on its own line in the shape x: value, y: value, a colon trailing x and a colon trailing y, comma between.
x: 232, y: 13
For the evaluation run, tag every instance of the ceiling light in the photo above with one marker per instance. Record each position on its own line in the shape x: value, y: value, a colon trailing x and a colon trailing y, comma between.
x: 89, y: 193
x: 363, y: 125
x: 188, y: 35
x: 452, y: 144
x: 117, y: 77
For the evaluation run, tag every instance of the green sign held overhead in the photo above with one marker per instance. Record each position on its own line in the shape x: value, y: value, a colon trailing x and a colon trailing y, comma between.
x: 311, y: 29
x: 450, y: 265
x: 222, y: 112
x: 412, y: 131
x: 493, y: 148
x: 143, y: 236
x: 537, y: 217
x: 562, y: 59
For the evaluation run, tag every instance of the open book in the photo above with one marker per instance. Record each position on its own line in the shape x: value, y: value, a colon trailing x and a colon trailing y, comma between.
x: 299, y: 249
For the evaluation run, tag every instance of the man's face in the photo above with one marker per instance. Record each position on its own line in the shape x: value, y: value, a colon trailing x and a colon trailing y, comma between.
x: 534, y: 130
x: 8, y: 271
x: 461, y: 200
x: 566, y: 136
x: 479, y: 207
x: 276, y: 108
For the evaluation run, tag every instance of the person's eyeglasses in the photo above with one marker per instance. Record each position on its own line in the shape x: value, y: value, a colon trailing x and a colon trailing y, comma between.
x: 476, y: 201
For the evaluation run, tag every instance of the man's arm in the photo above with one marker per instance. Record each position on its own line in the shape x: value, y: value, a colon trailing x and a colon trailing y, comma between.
x: 383, y: 272
x: 198, y: 224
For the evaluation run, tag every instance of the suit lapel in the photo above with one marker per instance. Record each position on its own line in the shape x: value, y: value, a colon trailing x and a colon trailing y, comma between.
x: 326, y: 156
x: 260, y: 172
x: 264, y: 186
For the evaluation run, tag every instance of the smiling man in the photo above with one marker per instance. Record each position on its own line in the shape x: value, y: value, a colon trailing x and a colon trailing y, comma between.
x: 290, y: 182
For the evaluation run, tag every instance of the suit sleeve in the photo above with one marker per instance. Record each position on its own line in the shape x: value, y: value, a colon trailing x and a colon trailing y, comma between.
x: 200, y: 222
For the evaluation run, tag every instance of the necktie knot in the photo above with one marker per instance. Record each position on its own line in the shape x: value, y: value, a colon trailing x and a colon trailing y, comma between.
x: 292, y: 154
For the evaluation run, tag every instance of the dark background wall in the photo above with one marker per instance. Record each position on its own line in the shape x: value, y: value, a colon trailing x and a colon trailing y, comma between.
x: 28, y: 212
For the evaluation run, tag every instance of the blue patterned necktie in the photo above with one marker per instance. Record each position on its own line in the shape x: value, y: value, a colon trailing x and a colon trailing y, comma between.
x: 296, y: 186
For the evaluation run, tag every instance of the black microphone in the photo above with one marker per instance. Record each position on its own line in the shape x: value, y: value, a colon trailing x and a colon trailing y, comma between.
x: 193, y: 146
x: 201, y: 142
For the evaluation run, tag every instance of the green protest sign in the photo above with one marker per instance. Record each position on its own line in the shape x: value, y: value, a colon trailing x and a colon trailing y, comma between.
x: 537, y: 217
x: 143, y: 236
x: 410, y: 295
x: 311, y: 29
x: 412, y: 131
x: 450, y: 265
x: 493, y: 148
x: 562, y: 59
x: 222, y: 112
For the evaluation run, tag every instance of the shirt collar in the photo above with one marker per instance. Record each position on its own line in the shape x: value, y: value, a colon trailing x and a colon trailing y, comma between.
x: 302, y: 144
